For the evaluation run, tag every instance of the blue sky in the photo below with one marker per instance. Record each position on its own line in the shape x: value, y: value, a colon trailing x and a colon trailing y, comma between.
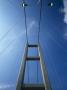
x: 53, y: 40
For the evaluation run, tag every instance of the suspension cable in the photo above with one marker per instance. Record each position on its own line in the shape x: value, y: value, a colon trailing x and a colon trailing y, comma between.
x: 8, y: 31
x: 39, y: 30
x: 26, y: 29
x: 40, y: 19
x: 24, y: 6
x: 25, y: 19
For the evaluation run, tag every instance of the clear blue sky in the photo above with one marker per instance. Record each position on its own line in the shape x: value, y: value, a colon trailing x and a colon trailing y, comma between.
x: 53, y: 39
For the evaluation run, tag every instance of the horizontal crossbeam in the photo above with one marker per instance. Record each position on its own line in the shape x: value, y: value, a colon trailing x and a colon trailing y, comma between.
x: 32, y: 58
x: 32, y: 45
x: 32, y: 87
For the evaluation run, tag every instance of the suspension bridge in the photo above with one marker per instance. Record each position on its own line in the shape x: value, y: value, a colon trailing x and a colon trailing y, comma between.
x: 20, y: 81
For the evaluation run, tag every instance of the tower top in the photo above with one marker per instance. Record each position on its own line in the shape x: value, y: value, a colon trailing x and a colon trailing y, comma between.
x: 51, y: 4
x: 24, y: 4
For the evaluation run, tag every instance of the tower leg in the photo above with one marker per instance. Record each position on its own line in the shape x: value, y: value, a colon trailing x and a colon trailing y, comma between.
x: 43, y: 69
x: 20, y: 82
x: 22, y: 70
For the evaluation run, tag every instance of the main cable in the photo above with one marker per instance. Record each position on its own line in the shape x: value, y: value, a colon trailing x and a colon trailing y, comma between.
x: 12, y: 28
x: 39, y: 30
x: 40, y: 19
x: 25, y: 21
x: 26, y: 31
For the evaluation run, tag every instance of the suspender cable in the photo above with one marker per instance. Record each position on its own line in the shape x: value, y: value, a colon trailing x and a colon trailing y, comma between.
x: 24, y: 5
x: 40, y: 19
